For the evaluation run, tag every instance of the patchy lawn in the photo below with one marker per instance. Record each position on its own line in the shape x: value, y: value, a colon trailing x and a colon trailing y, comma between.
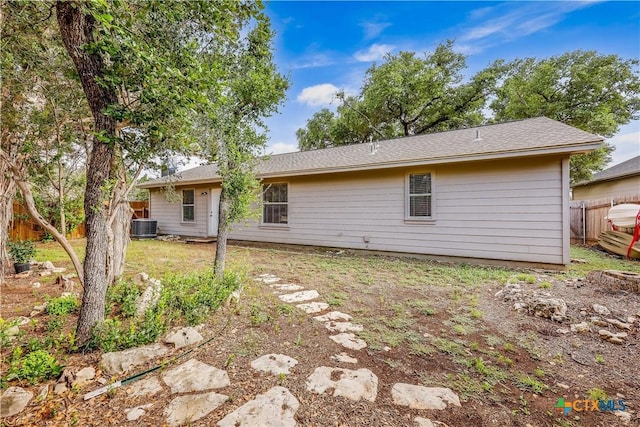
x: 425, y: 323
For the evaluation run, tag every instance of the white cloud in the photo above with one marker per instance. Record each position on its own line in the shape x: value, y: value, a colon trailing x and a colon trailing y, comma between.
x: 282, y: 147
x: 318, y: 95
x: 375, y: 52
x: 313, y: 61
x: 627, y: 147
x: 374, y: 29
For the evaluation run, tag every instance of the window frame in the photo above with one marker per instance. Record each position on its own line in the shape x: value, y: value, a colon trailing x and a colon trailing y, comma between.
x: 264, y: 203
x: 183, y: 205
x: 407, y: 205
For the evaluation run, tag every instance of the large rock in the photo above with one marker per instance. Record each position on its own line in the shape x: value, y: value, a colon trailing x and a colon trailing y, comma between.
x: 419, y: 397
x: 146, y: 387
x: 551, y: 308
x: 313, y: 307
x: 119, y: 362
x: 194, y: 375
x: 13, y: 401
x: 192, y: 407
x: 83, y: 377
x: 275, y: 364
x: 149, y: 297
x: 183, y: 337
x: 275, y: 408
x: 354, y: 385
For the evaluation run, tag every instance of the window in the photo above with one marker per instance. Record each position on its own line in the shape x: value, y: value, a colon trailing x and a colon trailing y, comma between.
x: 420, y: 197
x: 274, y: 204
x: 188, y: 205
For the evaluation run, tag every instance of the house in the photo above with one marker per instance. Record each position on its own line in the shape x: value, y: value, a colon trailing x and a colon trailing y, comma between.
x: 496, y: 192
x: 617, y: 181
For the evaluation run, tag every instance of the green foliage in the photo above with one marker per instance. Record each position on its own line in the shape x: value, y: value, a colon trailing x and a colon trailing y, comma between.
x: 36, y: 366
x: 597, y: 394
x: 258, y: 315
x: 593, y: 92
x: 525, y: 382
x: 123, y: 295
x: 21, y: 251
x: 61, y: 306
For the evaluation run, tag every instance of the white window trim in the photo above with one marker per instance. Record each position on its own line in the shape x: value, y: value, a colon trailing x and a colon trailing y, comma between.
x: 262, y: 203
x: 419, y: 219
x: 182, y: 205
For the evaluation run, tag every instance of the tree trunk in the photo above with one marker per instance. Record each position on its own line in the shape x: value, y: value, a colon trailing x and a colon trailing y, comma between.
x: 77, y: 30
x: 119, y: 239
x: 7, y: 192
x: 63, y: 222
x: 223, y: 234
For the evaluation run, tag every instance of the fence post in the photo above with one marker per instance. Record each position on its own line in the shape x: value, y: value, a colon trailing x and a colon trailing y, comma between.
x: 584, y: 223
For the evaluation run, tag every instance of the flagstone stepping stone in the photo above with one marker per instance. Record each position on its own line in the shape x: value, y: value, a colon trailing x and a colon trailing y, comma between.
x: 313, y: 307
x: 83, y: 377
x: 194, y: 375
x: 349, y: 340
x: 13, y: 401
x: 426, y: 422
x: 133, y: 414
x: 183, y: 337
x: 333, y: 315
x: 274, y: 363
x: 419, y: 397
x: 275, y: 408
x: 343, y: 327
x: 287, y: 287
x: 354, y: 385
x: 300, y: 296
x: 119, y: 362
x: 192, y: 407
x: 344, y: 358
x: 146, y: 387
x: 267, y: 278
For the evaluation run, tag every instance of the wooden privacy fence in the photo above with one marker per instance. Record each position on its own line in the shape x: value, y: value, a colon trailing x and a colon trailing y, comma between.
x: 22, y: 227
x: 588, y: 217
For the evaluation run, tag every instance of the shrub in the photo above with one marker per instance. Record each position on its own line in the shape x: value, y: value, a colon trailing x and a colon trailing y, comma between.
x: 61, y: 306
x: 21, y: 251
x: 123, y: 294
x: 34, y: 367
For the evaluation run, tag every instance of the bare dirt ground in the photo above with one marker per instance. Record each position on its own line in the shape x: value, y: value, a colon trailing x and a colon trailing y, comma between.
x: 426, y: 323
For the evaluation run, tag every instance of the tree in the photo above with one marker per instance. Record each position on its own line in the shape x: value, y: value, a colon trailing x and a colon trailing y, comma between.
x: 142, y: 70
x: 318, y: 133
x: 407, y: 95
x: 252, y: 89
x: 593, y: 92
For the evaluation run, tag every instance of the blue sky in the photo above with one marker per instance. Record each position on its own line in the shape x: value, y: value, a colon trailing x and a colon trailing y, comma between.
x: 325, y: 46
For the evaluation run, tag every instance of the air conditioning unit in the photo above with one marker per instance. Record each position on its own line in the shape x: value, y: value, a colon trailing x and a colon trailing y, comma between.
x: 144, y: 228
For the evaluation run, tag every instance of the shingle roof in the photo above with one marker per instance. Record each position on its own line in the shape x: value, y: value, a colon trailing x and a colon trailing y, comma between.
x: 627, y: 168
x: 518, y: 138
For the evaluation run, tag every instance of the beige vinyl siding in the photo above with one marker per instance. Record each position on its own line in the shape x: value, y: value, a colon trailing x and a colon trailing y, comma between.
x: 169, y: 215
x: 611, y: 189
x: 508, y: 210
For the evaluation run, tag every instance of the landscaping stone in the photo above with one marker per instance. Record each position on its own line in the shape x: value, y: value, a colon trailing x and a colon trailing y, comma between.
x: 146, y: 387
x: 12, y: 331
x: 333, y: 315
x: 194, y: 375
x: 354, y: 385
x: 183, y: 337
x: 13, y: 401
x: 581, y: 327
x: 611, y: 337
x: 618, y: 324
x: 83, y: 377
x: 268, y: 279
x: 192, y: 407
x: 601, y: 309
x: 36, y: 285
x: 300, y: 296
x: 551, y: 308
x: 37, y: 309
x: 419, y: 397
x: 349, y: 340
x: 119, y: 362
x: 149, y: 297
x: 313, y: 307
x: 134, y: 414
x: 18, y: 321
x: 343, y: 327
x: 64, y: 382
x: 275, y: 408
x: 140, y: 278
x: 47, y: 265
x: 344, y: 358
x: 289, y: 287
x: 275, y: 364
x: 426, y: 422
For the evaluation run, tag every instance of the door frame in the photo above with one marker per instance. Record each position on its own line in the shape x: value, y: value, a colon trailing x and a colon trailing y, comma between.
x: 214, y: 213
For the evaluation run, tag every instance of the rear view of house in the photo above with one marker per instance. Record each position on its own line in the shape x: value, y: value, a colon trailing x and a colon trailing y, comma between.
x: 495, y: 192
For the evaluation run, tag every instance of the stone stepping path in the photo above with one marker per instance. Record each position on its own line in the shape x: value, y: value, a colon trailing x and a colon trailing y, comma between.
x: 193, y: 382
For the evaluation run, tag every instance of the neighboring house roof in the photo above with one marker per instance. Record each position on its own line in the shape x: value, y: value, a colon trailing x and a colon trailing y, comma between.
x: 528, y: 137
x: 625, y: 169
